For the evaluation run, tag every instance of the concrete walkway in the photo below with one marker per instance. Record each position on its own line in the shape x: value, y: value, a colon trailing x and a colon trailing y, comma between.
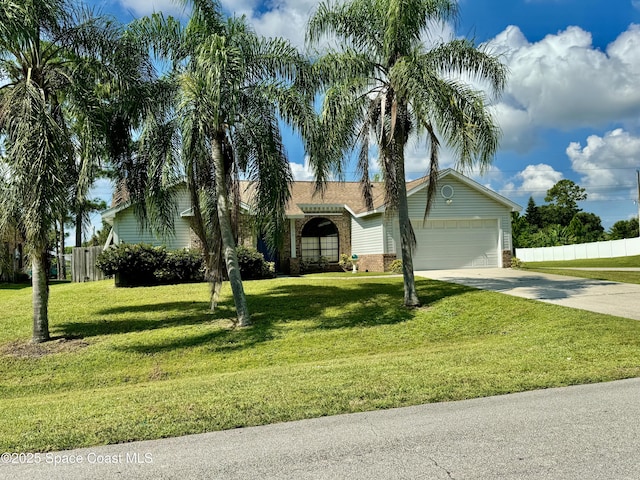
x: 588, y: 432
x: 612, y: 298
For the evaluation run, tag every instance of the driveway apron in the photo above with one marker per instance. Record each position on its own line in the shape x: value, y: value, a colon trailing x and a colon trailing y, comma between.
x: 601, y: 296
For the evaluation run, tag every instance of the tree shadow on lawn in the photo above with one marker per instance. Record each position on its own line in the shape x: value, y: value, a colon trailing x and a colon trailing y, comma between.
x: 320, y: 306
x: 14, y: 286
x: 187, y: 313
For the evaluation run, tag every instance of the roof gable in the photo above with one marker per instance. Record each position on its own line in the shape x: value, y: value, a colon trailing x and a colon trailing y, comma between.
x: 422, y: 183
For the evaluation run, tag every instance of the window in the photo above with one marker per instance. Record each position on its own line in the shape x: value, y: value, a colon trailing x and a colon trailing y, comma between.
x: 320, y: 239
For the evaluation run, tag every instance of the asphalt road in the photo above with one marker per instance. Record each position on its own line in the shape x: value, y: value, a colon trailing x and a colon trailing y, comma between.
x: 582, y: 432
x: 601, y: 296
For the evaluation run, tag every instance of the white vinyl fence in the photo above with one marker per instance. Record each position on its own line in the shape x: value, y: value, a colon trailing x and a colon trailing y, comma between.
x: 614, y: 248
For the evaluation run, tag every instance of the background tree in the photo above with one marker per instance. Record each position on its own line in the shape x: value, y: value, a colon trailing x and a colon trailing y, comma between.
x: 385, y: 82
x: 219, y: 120
x: 560, y: 222
x: 624, y: 229
x: 522, y: 231
x: 54, y: 57
x: 533, y: 214
x: 586, y: 227
x: 563, y: 200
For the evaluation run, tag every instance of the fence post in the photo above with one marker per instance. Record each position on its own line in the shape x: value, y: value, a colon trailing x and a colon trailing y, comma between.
x: 83, y: 264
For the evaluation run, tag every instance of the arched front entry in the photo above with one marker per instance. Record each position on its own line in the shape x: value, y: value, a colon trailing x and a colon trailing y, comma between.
x: 320, y: 239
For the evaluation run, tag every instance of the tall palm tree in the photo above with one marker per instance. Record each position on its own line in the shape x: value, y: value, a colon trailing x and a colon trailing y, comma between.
x: 385, y: 83
x: 231, y: 89
x: 54, y: 58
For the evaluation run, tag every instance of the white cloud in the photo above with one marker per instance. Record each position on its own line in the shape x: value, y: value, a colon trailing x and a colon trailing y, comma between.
x: 147, y: 7
x: 302, y: 172
x: 606, y: 164
x: 518, y: 133
x: 562, y: 81
x: 534, y: 181
x: 288, y: 19
x: 285, y: 18
x: 635, y: 4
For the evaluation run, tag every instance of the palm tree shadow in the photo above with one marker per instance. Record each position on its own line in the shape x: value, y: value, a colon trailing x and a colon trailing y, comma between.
x: 319, y: 306
x: 129, y: 319
x: 14, y: 286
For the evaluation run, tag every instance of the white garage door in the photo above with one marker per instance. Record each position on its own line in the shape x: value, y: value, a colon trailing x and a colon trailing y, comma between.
x: 456, y: 244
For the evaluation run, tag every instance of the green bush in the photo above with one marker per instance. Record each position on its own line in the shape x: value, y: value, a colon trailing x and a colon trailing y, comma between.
x: 142, y: 264
x: 516, y: 263
x: 181, y: 266
x: 396, y: 266
x: 128, y: 258
x: 253, y: 265
x: 345, y: 262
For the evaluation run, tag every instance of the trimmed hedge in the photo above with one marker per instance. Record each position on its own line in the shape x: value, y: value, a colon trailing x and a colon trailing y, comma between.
x: 141, y: 265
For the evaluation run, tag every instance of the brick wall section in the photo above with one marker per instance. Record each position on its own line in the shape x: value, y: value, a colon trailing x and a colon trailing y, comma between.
x: 388, y: 259
x: 292, y: 265
x: 506, y: 258
x: 194, y: 243
x: 376, y: 262
x: 245, y: 231
x: 245, y: 234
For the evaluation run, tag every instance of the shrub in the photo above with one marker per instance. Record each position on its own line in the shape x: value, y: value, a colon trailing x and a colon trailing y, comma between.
x: 516, y: 263
x: 142, y: 264
x: 396, y: 266
x: 345, y: 263
x: 308, y: 265
x: 305, y: 265
x: 181, y: 266
x: 253, y: 265
x: 135, y: 264
x: 323, y: 263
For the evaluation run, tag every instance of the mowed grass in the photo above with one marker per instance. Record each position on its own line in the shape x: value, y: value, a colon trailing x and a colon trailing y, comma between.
x: 558, y: 268
x: 615, y: 262
x: 346, y: 274
x: 145, y: 363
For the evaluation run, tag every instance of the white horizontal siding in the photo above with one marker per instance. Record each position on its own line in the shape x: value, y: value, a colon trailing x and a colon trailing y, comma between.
x: 391, y: 234
x: 367, y: 235
x: 127, y: 227
x: 466, y: 203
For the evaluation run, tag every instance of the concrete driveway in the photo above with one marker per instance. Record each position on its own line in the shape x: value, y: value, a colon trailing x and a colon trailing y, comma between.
x: 612, y: 298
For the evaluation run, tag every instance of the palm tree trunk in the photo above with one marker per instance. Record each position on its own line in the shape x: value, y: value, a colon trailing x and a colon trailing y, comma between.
x: 407, y: 239
x: 226, y: 233
x: 62, y: 270
x: 40, y: 297
x: 78, y: 229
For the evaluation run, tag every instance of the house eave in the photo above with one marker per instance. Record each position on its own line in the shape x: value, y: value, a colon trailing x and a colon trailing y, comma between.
x: 110, y: 214
x: 368, y: 213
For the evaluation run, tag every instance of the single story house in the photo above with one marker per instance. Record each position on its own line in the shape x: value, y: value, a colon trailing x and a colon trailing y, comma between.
x: 469, y: 225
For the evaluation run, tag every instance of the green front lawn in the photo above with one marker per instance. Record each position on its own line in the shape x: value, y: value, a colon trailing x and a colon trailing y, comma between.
x: 556, y: 268
x: 144, y: 363
x: 616, y: 262
x: 607, y: 275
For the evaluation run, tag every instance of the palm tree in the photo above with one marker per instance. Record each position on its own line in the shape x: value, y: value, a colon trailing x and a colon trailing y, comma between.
x: 385, y: 83
x: 52, y: 58
x: 231, y: 89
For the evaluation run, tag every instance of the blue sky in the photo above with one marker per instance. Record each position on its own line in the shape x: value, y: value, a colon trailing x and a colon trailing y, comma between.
x: 571, y: 108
